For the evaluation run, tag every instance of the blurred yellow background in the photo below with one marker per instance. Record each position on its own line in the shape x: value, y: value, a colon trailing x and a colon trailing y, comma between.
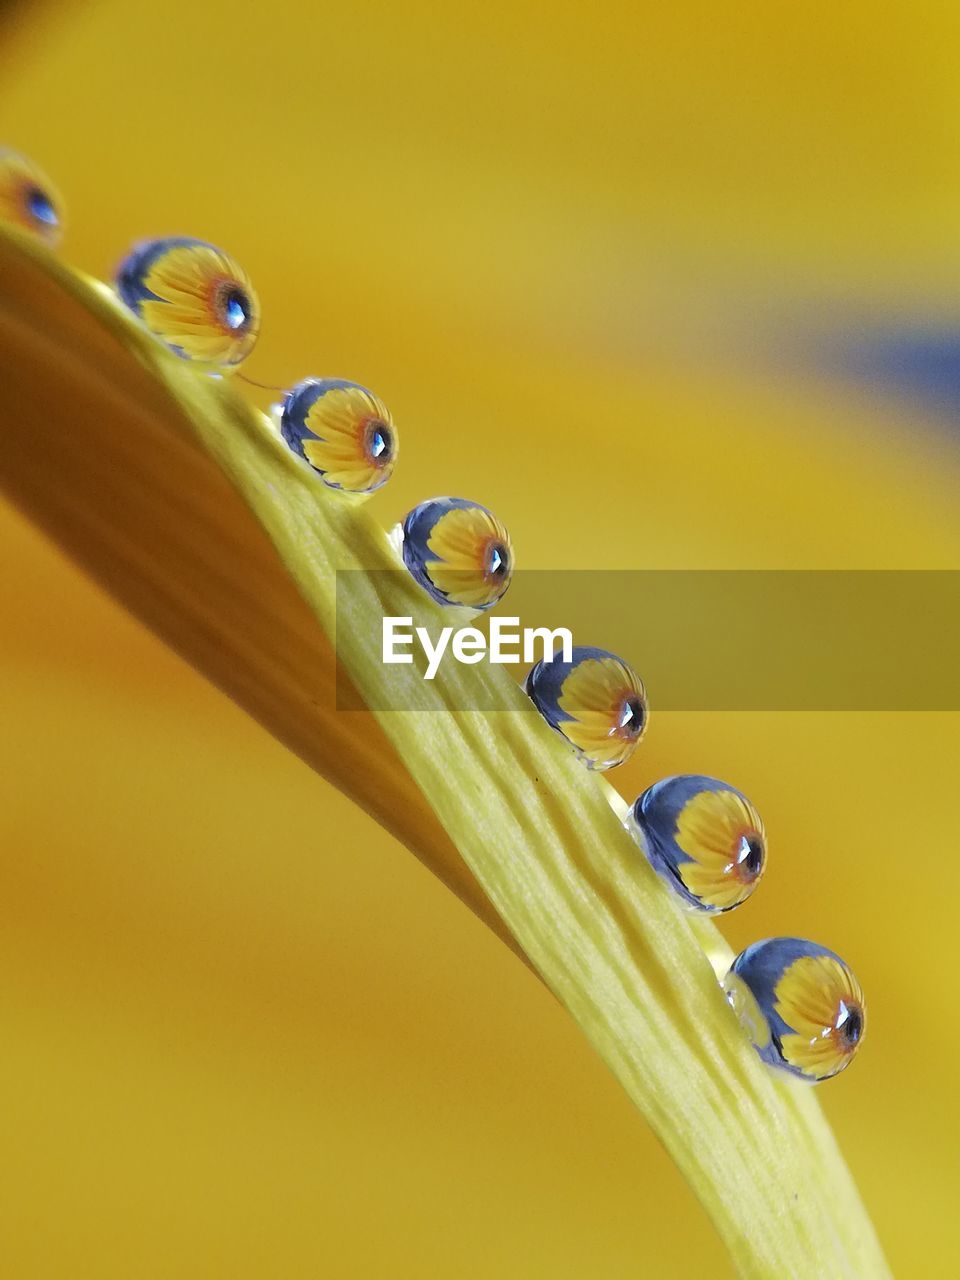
x: 244, y: 1033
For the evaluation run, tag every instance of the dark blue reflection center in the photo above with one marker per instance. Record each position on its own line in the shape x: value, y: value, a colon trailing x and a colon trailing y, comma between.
x: 236, y: 309
x: 41, y: 207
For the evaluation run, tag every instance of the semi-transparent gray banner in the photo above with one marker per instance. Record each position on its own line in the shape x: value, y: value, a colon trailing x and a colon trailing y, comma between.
x: 748, y: 640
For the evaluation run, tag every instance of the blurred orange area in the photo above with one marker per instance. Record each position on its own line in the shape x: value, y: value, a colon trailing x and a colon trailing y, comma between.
x: 244, y: 1032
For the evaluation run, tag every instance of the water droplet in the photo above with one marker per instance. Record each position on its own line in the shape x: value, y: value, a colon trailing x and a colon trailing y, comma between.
x: 342, y: 430
x: 569, y: 694
x: 704, y: 838
x: 800, y: 1004
x: 458, y: 551
x: 194, y: 298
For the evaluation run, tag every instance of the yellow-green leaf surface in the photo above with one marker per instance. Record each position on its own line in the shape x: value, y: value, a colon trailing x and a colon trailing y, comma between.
x: 149, y: 472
